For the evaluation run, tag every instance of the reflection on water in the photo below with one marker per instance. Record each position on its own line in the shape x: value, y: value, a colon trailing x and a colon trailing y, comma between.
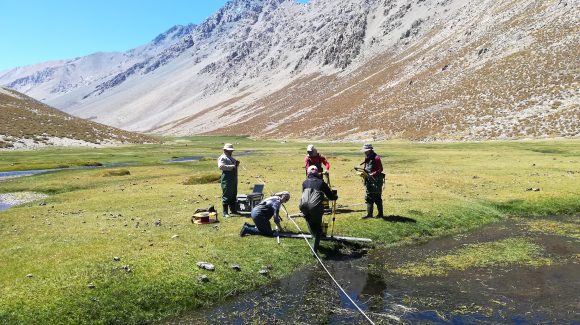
x: 183, y: 159
x: 547, y: 294
x: 26, y: 172
x: 197, y: 158
x: 20, y: 173
x: 4, y: 206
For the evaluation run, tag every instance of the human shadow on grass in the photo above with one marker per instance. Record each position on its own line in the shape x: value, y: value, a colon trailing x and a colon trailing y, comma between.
x: 394, y: 218
x: 342, y: 210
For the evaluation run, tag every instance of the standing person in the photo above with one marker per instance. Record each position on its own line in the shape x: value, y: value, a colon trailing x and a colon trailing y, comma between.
x: 313, y: 158
x: 313, y: 192
x: 374, y: 181
x: 229, y: 179
x: 263, y: 212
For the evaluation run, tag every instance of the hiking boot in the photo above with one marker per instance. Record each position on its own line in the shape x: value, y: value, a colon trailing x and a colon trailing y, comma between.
x: 226, y: 215
x: 369, y: 211
x: 316, y: 244
x: 244, y: 230
x: 233, y: 210
x: 380, y: 209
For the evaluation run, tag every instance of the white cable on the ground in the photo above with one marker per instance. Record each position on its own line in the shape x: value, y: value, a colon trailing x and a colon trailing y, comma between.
x: 318, y: 258
x: 325, y: 269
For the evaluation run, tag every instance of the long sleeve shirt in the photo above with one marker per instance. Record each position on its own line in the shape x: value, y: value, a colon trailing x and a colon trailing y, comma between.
x: 373, y: 164
x: 273, y: 204
x: 226, y: 163
x: 317, y: 161
x: 317, y: 184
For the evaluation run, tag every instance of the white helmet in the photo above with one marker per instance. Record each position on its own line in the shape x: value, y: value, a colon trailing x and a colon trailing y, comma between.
x: 312, y: 170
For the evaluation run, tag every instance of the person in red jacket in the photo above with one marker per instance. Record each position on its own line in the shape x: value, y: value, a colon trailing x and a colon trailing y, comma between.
x: 374, y: 181
x: 313, y: 158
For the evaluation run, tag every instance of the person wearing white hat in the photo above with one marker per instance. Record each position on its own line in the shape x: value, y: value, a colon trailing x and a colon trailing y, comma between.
x: 313, y: 158
x: 263, y: 212
x: 229, y: 179
x: 374, y: 181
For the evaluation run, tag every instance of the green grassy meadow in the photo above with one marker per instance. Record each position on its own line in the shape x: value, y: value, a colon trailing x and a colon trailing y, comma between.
x: 91, y: 216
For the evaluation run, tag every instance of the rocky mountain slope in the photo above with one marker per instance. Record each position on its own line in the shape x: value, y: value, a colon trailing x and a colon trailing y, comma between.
x: 351, y: 69
x: 28, y: 123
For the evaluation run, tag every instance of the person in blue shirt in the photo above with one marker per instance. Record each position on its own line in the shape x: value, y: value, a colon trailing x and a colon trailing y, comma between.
x: 262, y: 213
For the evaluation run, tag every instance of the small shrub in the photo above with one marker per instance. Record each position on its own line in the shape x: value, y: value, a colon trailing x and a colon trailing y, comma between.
x: 116, y: 172
x: 202, y: 179
x: 90, y: 163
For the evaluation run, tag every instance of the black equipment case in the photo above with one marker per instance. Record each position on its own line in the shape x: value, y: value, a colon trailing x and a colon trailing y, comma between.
x: 246, y: 202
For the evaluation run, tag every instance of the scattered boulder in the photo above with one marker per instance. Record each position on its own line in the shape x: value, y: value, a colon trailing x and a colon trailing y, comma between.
x: 116, y: 259
x: 126, y: 268
x: 236, y: 267
x: 533, y: 189
x: 174, y: 236
x: 203, y: 278
x: 206, y: 266
x: 158, y: 223
x: 29, y: 275
x: 91, y: 286
x: 264, y: 272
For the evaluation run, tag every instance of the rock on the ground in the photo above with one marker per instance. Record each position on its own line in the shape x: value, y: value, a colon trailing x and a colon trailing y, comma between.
x: 206, y: 266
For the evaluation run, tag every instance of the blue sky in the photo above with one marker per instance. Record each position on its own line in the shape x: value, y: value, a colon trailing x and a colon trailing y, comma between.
x: 35, y: 31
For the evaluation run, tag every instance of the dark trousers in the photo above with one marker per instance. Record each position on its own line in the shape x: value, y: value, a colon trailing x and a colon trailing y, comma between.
x: 229, y: 184
x: 314, y: 220
x: 263, y: 226
x: 373, y: 195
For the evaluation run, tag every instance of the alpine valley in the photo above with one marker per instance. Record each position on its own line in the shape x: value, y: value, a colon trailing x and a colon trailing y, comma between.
x: 350, y: 70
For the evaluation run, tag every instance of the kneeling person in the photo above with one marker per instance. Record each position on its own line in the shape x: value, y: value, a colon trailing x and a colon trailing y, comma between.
x: 311, y: 205
x: 263, y: 212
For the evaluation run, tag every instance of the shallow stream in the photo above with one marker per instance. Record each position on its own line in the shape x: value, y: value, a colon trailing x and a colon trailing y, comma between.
x: 486, y: 295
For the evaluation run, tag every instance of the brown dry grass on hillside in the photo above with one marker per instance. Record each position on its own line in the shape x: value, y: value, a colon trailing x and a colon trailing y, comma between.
x: 22, y: 117
x: 486, y: 87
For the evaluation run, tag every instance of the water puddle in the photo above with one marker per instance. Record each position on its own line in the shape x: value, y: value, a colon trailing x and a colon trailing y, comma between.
x: 183, y: 159
x: 197, y: 158
x: 20, y: 173
x: 487, y: 295
x: 8, y: 200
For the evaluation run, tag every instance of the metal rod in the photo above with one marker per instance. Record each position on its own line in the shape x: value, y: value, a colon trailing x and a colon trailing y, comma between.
x: 333, y: 217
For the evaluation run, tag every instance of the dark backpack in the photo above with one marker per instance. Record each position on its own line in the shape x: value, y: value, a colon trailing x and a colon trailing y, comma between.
x: 311, y: 199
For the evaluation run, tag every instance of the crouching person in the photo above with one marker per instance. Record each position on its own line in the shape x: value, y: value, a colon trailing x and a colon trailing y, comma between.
x: 313, y: 191
x: 263, y: 212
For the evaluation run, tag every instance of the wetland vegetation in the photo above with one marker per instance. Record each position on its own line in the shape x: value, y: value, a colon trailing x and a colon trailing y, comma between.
x: 123, y: 250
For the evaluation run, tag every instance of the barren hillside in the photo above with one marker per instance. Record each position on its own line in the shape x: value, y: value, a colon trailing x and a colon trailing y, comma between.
x: 352, y: 69
x: 28, y: 123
